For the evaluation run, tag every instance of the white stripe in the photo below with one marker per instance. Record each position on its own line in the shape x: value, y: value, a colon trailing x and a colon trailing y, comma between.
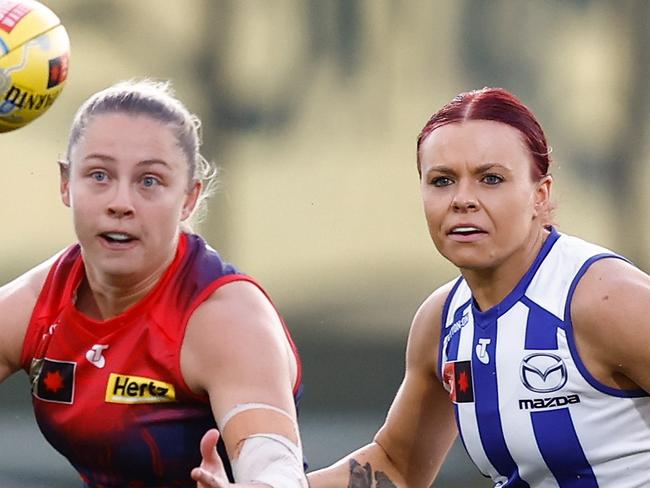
x: 461, y: 296
x: 517, y: 426
x: 467, y: 411
x: 550, y: 286
x: 619, y: 419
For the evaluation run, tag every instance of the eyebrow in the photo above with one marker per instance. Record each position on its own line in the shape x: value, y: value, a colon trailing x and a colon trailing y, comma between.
x: 153, y: 162
x: 446, y: 170
x: 440, y: 168
x: 487, y: 167
x: 144, y: 162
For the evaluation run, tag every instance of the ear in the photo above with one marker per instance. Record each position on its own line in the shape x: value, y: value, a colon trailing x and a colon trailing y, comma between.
x: 543, y: 196
x: 64, y: 174
x: 191, y: 199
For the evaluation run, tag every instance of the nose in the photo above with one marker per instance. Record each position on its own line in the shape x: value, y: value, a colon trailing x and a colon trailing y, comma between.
x: 121, y: 204
x: 465, y: 200
x: 465, y: 205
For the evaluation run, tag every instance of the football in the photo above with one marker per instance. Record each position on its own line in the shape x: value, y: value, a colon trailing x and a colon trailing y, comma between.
x: 34, y: 57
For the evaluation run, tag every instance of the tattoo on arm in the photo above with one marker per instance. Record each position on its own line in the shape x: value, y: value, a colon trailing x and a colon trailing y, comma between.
x: 361, y: 477
x: 383, y: 481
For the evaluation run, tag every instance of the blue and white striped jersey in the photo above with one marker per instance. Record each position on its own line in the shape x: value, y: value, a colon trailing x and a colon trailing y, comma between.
x: 528, y: 411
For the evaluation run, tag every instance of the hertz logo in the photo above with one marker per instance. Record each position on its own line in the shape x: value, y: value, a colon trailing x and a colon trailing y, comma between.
x: 136, y: 389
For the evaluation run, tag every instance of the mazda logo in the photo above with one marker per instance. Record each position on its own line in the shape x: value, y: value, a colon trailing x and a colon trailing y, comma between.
x: 543, y: 372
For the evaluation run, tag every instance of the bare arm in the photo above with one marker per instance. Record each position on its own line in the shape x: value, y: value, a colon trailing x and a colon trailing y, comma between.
x: 236, y: 350
x: 611, y: 318
x: 419, y: 430
x: 17, y: 300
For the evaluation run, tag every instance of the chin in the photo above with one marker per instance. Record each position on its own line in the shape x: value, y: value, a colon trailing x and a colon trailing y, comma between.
x: 469, y: 260
x: 118, y: 267
x: 119, y: 272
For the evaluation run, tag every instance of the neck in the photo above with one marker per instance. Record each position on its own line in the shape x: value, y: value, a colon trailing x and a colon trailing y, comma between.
x: 103, y: 297
x: 491, y: 285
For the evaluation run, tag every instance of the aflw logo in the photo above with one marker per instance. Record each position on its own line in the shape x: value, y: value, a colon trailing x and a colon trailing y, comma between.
x: 136, y: 389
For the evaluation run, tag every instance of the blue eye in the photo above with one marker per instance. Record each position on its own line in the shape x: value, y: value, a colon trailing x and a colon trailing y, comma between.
x: 149, y: 181
x: 492, y: 179
x: 99, y: 176
x: 441, y: 181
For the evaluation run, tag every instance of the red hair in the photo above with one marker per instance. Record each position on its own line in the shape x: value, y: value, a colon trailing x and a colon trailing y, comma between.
x: 498, y: 105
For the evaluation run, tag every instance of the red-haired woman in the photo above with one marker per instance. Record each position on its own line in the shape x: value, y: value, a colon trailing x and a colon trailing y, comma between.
x: 539, y: 350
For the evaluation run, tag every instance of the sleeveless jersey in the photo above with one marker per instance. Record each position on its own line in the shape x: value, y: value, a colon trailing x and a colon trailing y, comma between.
x: 109, y: 395
x: 528, y: 411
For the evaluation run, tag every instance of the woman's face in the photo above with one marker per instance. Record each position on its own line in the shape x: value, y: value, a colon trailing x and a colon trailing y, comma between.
x: 481, y: 205
x: 128, y: 188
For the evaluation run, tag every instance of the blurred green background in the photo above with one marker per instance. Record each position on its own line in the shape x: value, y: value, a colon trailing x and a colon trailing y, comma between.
x: 311, y: 109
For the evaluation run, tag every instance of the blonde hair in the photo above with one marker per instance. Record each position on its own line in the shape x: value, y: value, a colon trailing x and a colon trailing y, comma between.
x: 154, y: 99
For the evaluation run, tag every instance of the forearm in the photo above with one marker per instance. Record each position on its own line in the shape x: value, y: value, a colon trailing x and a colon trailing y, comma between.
x: 365, y: 468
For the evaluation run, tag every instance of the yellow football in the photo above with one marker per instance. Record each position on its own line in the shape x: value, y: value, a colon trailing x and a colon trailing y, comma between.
x: 34, y: 57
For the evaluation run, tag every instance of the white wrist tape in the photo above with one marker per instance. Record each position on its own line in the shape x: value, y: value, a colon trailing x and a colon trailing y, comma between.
x: 242, y: 407
x: 258, y: 455
x: 271, y: 459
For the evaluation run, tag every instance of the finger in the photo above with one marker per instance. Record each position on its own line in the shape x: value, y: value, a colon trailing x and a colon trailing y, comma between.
x: 206, y: 479
x: 211, y: 473
x: 211, y: 459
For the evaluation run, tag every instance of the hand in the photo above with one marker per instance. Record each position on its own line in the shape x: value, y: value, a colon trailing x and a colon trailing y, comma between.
x: 211, y: 473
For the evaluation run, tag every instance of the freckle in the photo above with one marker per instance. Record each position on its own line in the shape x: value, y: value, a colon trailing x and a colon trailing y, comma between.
x: 606, y: 297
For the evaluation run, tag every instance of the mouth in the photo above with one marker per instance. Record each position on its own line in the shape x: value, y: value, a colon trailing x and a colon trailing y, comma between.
x: 466, y: 230
x: 114, y: 238
x: 466, y: 233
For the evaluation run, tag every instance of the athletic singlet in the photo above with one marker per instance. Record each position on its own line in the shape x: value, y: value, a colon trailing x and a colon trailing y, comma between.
x: 529, y: 412
x: 110, y: 395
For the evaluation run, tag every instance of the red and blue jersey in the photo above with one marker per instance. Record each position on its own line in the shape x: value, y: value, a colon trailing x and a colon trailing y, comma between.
x: 110, y: 395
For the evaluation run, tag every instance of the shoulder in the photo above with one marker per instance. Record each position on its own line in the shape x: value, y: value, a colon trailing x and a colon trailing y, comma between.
x: 236, y: 325
x: 17, y: 301
x: 25, y: 289
x: 425, y: 329
x: 428, y: 317
x: 203, y: 259
x: 239, y: 301
x: 610, y: 287
x: 609, y: 313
